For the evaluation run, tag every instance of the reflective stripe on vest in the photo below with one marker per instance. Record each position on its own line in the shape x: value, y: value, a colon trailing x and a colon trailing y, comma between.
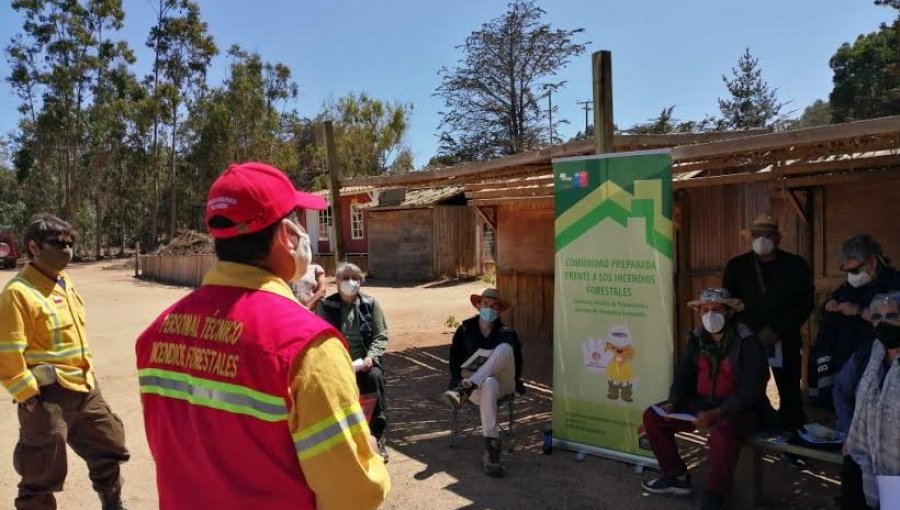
x: 321, y: 436
x: 216, y: 395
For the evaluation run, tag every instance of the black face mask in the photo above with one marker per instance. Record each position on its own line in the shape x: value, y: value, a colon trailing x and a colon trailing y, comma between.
x: 888, y: 334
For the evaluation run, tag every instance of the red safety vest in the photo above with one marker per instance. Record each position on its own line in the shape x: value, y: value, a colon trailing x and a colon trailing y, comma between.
x: 214, y: 373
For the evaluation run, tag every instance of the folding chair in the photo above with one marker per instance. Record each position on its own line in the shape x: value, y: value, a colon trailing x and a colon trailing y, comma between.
x: 466, y: 419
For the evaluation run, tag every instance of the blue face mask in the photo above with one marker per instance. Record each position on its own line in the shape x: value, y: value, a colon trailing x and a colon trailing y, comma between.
x: 488, y: 314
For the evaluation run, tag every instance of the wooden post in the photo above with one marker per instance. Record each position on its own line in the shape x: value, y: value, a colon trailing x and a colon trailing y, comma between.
x: 334, y: 174
x: 603, y: 105
x: 137, y: 259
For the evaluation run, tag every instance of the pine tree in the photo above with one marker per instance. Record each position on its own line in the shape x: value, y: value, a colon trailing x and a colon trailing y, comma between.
x: 753, y: 104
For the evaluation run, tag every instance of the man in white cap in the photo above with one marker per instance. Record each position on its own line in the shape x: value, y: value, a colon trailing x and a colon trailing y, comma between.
x: 498, y: 376
x: 777, y: 290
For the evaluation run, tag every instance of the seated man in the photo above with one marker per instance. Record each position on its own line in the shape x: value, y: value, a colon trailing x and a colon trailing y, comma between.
x: 360, y: 320
x: 722, y: 380
x: 497, y: 377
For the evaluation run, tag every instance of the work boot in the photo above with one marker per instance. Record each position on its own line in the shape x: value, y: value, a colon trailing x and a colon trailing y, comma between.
x: 112, y: 500
x: 613, y: 391
x: 626, y: 393
x: 490, y: 462
x: 382, y: 449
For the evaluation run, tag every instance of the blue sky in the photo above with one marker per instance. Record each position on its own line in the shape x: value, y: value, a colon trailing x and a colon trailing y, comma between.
x: 664, y: 52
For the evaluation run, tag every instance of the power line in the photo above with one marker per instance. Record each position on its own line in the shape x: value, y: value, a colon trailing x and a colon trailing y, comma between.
x: 587, y: 106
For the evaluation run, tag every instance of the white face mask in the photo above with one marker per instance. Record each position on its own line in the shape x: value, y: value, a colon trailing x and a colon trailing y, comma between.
x: 859, y: 279
x: 763, y: 246
x: 349, y: 288
x: 302, y: 252
x: 714, y: 322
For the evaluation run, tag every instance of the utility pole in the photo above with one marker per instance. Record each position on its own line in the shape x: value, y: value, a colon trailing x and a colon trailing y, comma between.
x: 603, y: 108
x: 550, y: 88
x: 587, y: 107
x: 335, y: 180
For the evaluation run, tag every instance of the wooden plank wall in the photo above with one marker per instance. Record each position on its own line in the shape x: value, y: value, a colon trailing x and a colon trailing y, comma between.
x: 525, y: 259
x: 186, y: 270
x: 454, y: 241
x: 531, y: 317
x: 401, y: 245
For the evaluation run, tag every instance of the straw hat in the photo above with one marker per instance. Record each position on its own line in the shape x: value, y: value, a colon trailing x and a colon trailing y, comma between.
x: 488, y: 293
x: 763, y: 223
x: 717, y: 296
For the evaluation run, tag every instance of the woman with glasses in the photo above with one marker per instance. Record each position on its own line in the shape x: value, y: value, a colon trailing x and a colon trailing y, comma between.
x: 845, y: 328
x: 872, y: 448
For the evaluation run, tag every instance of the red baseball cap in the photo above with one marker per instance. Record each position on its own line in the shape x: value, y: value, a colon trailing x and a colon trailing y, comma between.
x: 253, y: 196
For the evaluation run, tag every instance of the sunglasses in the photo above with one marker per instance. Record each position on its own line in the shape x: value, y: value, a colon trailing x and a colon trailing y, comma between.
x: 59, y: 243
x: 886, y: 317
x: 854, y: 270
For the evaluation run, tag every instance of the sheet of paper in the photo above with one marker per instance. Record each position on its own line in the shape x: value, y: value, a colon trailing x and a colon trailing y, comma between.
x: 889, y: 491
x: 675, y: 416
x: 777, y: 361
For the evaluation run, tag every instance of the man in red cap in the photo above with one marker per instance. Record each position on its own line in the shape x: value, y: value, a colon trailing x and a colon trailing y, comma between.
x: 249, y: 399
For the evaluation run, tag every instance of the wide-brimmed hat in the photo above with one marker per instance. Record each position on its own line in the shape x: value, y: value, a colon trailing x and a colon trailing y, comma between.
x: 763, y: 223
x: 717, y: 296
x: 488, y: 293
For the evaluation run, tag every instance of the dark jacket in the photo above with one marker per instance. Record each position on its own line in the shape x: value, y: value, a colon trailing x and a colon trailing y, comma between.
x: 371, y: 322
x: 468, y: 339
x: 778, y: 294
x: 840, y: 337
x: 748, y: 362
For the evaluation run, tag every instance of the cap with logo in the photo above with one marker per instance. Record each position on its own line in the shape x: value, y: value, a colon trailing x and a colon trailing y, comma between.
x: 252, y: 196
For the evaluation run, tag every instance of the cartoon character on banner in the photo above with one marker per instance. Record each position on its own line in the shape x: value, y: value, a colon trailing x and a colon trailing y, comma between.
x: 619, y: 374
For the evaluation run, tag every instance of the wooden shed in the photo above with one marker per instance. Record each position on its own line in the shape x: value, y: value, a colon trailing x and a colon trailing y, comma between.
x: 421, y: 234
x: 824, y: 184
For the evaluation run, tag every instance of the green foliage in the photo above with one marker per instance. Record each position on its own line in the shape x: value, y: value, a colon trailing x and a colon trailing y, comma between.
x: 369, y: 135
x: 752, y: 104
x: 491, y: 97
x: 816, y: 114
x: 867, y: 76
x: 452, y: 322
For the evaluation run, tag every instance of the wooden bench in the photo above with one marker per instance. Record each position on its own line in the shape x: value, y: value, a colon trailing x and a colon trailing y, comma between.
x: 748, y: 475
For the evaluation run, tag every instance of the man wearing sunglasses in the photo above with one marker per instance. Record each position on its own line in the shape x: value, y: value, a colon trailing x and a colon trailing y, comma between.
x: 46, y: 364
x: 846, y: 332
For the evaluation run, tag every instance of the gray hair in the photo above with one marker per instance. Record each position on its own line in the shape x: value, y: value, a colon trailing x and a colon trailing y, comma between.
x: 891, y: 298
x: 348, y: 269
x: 861, y: 247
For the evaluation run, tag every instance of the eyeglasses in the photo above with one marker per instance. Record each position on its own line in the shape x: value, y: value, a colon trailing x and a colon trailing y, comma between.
x: 60, y: 243
x: 886, y: 317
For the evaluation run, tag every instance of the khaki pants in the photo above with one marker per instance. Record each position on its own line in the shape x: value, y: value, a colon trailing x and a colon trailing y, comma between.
x: 495, y: 379
x: 87, y: 424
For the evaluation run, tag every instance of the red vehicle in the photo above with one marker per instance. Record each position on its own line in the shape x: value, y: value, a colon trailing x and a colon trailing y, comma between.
x: 9, y: 254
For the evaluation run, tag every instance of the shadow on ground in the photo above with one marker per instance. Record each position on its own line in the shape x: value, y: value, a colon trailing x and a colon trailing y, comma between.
x: 419, y: 430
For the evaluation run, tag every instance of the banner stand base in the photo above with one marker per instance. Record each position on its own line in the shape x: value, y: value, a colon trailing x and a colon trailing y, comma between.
x: 639, y: 462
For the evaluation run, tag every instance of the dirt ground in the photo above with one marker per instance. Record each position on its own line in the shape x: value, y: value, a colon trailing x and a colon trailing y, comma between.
x: 426, y: 474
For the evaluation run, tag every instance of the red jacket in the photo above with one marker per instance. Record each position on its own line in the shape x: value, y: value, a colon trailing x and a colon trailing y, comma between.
x: 214, y: 373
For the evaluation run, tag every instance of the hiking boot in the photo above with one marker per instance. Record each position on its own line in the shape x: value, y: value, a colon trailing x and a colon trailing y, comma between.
x: 680, y: 486
x: 490, y: 462
x: 711, y: 502
x: 382, y: 450
x: 456, y: 397
x: 626, y: 393
x: 111, y: 500
x: 613, y: 391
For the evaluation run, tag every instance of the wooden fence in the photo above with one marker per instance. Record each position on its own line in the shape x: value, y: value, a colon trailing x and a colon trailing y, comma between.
x: 187, y: 270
